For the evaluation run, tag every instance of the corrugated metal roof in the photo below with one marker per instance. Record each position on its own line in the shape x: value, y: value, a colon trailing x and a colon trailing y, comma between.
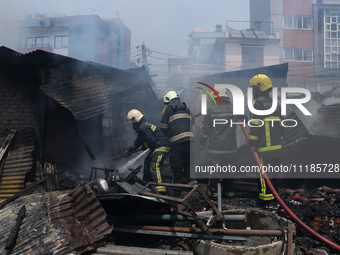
x: 56, y: 222
x: 292, y: 134
x: 327, y: 121
x: 312, y: 150
x: 94, y: 90
x: 91, y: 96
x: 19, y: 161
x: 43, y: 59
x: 5, y: 52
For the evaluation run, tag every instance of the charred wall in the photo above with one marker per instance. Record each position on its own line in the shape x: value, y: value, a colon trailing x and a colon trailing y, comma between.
x: 19, y: 107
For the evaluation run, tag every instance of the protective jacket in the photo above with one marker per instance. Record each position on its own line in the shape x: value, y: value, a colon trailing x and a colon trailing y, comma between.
x: 222, y: 137
x: 149, y: 136
x: 175, y: 122
x: 267, y: 133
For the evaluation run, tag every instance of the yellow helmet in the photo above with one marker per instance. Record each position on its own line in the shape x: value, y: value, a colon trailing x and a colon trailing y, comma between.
x: 261, y: 81
x: 133, y: 116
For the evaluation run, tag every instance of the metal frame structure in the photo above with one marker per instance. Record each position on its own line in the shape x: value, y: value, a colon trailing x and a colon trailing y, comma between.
x: 185, y: 202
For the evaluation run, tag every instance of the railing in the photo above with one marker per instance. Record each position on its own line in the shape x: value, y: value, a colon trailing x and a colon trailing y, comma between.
x: 207, y: 30
x: 35, y: 45
x: 266, y: 26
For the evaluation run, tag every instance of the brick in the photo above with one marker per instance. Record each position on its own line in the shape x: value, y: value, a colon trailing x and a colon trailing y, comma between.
x: 316, y: 226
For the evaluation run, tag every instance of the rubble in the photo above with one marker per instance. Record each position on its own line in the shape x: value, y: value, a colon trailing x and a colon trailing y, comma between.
x: 54, y: 222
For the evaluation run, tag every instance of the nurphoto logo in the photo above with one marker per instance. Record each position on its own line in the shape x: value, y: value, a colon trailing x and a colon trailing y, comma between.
x: 238, y: 103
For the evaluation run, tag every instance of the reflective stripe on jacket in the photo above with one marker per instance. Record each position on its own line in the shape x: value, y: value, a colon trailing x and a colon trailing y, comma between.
x: 151, y: 135
x: 175, y: 122
x: 266, y: 132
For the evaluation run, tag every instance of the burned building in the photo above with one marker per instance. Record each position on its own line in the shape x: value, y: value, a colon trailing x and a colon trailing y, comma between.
x: 74, y: 112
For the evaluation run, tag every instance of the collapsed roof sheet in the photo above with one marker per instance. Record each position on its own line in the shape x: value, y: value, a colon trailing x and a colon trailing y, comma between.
x: 55, y: 222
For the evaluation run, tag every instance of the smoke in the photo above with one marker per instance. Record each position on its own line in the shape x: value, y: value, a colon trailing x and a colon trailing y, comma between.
x: 332, y: 100
x: 312, y: 106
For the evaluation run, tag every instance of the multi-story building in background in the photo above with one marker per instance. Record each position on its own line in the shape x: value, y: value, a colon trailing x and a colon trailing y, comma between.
x: 310, y: 38
x: 220, y: 50
x: 87, y: 38
x: 303, y: 33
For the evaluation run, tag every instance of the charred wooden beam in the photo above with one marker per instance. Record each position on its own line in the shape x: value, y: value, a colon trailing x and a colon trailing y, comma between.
x: 12, y: 238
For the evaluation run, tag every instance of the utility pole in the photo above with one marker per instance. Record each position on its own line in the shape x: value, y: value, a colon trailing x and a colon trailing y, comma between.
x: 92, y: 10
x: 145, y: 52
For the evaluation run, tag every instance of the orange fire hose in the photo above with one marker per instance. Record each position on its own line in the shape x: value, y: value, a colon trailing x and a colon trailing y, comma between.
x: 278, y: 198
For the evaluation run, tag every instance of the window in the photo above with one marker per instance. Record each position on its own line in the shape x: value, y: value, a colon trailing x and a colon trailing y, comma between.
x: 307, y: 22
x: 252, y: 56
x: 288, y: 54
x: 307, y: 55
x: 332, y: 39
x: 297, y: 22
x: 298, y: 55
x: 61, y: 42
x: 312, y: 87
x: 288, y: 22
x: 29, y: 42
x: 42, y: 41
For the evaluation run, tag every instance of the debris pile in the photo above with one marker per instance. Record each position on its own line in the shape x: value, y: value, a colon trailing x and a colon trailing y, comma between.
x: 54, y: 223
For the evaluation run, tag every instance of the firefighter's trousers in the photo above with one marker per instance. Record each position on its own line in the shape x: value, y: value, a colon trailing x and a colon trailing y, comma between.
x: 153, y: 167
x: 265, y: 193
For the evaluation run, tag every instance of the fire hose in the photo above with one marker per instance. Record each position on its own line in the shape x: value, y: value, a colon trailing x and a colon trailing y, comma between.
x: 278, y: 198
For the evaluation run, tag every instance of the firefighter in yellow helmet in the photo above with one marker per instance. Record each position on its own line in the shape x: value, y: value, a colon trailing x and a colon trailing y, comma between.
x: 149, y: 136
x: 267, y: 139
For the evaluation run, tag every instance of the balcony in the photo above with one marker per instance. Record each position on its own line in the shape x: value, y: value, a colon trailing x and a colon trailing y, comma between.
x: 30, y: 47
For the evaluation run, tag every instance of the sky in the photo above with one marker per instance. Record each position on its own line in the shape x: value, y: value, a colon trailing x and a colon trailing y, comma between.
x: 163, y: 25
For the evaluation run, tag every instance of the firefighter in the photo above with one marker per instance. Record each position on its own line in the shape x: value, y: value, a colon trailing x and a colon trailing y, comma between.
x: 149, y: 136
x: 175, y: 123
x: 267, y: 139
x: 222, y: 141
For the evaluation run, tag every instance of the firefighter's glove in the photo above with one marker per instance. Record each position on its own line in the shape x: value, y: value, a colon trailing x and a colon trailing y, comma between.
x: 145, y: 146
x: 127, y: 153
